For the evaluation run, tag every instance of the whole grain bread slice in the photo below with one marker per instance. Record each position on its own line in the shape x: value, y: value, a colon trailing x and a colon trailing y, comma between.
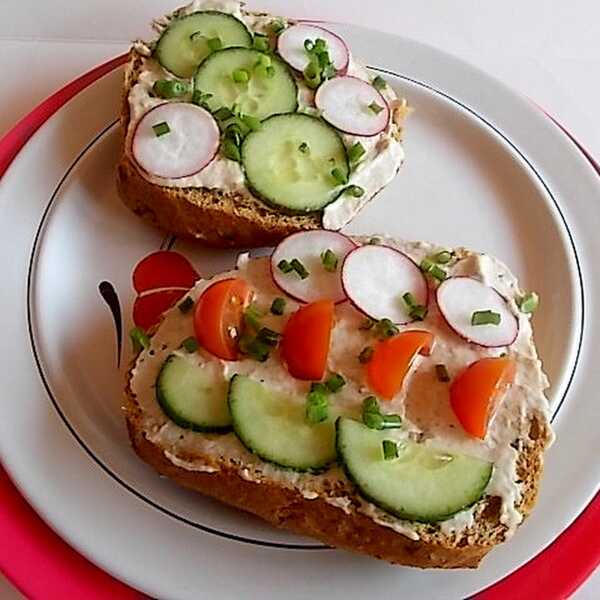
x: 215, y: 217
x: 286, y: 507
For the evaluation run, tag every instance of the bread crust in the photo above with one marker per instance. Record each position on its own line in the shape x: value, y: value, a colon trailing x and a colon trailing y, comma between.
x: 287, y: 508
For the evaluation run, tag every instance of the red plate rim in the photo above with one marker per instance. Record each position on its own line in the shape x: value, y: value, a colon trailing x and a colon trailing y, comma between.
x: 556, y: 572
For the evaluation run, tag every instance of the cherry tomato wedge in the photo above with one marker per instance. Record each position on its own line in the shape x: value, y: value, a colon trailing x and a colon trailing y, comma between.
x: 392, y: 358
x: 306, y: 337
x: 218, y: 316
x: 475, y: 393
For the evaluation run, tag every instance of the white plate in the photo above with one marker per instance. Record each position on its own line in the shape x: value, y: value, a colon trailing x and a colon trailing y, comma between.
x: 484, y: 168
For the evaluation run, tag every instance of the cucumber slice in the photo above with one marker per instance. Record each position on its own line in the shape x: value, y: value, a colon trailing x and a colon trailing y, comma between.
x: 422, y: 484
x: 260, y: 96
x: 184, y: 44
x: 290, y: 159
x: 273, y: 426
x: 193, y: 396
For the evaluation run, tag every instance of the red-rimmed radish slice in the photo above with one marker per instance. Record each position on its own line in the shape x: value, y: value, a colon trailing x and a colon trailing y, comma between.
x: 307, y: 247
x: 290, y: 45
x: 353, y: 106
x: 163, y: 269
x: 376, y: 277
x: 189, y: 144
x: 459, y: 297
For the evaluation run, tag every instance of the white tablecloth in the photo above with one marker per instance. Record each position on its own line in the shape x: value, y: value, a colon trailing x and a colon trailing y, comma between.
x: 548, y: 50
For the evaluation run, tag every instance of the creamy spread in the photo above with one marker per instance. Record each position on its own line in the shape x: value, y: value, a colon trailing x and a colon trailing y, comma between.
x: 384, y: 153
x: 422, y: 402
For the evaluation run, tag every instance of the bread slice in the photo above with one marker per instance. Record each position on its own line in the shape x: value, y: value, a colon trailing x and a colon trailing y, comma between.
x: 243, y: 481
x: 214, y: 217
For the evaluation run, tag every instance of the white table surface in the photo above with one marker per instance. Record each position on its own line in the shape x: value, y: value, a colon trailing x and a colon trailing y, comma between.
x: 546, y: 49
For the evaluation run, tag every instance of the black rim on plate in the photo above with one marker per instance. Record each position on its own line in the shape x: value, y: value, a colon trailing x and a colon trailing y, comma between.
x: 166, y: 511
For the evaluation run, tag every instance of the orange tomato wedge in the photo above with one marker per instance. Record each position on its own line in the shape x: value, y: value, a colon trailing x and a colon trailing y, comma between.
x: 392, y: 358
x: 306, y: 337
x: 218, y: 316
x: 475, y: 393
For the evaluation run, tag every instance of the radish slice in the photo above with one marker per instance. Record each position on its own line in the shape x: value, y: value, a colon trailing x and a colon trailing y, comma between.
x: 459, y: 297
x: 307, y: 247
x: 190, y: 144
x: 353, y: 106
x: 376, y: 277
x: 290, y: 45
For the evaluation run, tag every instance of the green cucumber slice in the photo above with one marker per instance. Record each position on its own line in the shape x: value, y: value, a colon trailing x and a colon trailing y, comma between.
x: 260, y: 96
x: 290, y: 159
x: 192, y: 395
x: 272, y: 425
x: 184, y: 44
x: 422, y: 484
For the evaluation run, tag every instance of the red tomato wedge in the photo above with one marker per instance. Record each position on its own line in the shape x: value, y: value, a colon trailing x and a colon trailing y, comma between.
x: 475, y: 393
x: 148, y: 309
x: 392, y: 358
x: 306, y: 337
x: 163, y: 269
x: 218, y: 316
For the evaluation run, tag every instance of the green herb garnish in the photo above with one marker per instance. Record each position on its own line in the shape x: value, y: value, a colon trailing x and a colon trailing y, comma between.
x: 317, y: 404
x: 230, y: 150
x: 428, y: 266
x: 260, y: 43
x: 284, y: 266
x: 268, y: 336
x: 299, y: 268
x: 529, y: 303
x: 390, y: 449
x: 161, y: 128
x: 335, y: 383
x: 254, y: 348
x: 304, y: 148
x: 366, y: 354
x: 374, y: 241
x: 252, y: 123
x: 442, y: 373
x: 375, y: 108
x: 485, y: 317
x: 442, y: 258
x: 356, y: 152
x: 201, y: 99
x: 168, y: 88
x: 252, y: 316
x: 241, y: 76
x: 355, y: 191
x: 278, y: 306
x: 139, y: 339
x: 379, y: 83
x: 339, y: 176
x: 190, y: 344
x: 186, y: 305
x: 385, y: 328
x: 223, y: 114
x: 330, y: 260
x: 415, y: 311
x: 374, y: 419
x: 277, y: 26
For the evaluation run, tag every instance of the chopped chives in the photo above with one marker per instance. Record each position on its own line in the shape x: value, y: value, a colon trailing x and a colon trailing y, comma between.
x: 251, y: 122
x: 374, y: 241
x: 186, y: 305
x: 252, y: 317
x: 190, y: 344
x: 428, y: 266
x: 366, y: 354
x: 391, y: 421
x: 277, y: 26
x: 161, y: 128
x: 374, y: 419
x: 415, y: 311
x: 260, y: 43
x: 442, y: 373
x: 339, y: 176
x: 304, y: 148
x: 223, y: 114
x: 320, y: 45
x: 379, y: 83
x: 409, y: 299
x: 284, y: 266
x: 356, y: 152
x: 375, y: 108
x: 241, y: 76
x: 254, y: 348
x: 529, y: 303
x: 168, y: 88
x: 335, y: 383
x: 390, y: 449
x: 278, y: 306
x: 330, y: 260
x: 214, y: 44
x: 299, y: 268
x: 201, y: 99
x: 442, y: 258
x: 355, y: 191
x: 317, y: 404
x: 230, y: 150
x: 139, y: 339
x: 268, y: 336
x: 234, y: 133
x: 270, y: 72
x: 385, y: 328
x: 485, y: 317
x: 309, y: 45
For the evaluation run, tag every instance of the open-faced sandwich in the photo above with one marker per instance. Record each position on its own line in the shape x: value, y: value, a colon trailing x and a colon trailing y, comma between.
x: 241, y: 128
x: 384, y: 397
